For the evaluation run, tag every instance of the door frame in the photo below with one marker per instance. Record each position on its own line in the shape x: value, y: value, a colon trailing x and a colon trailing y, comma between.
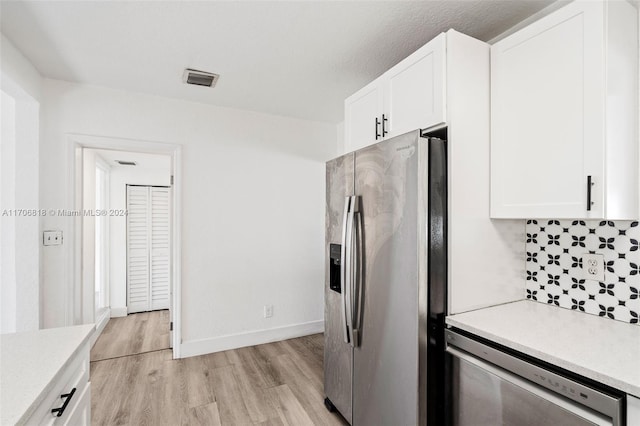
x: 102, y: 320
x: 78, y: 311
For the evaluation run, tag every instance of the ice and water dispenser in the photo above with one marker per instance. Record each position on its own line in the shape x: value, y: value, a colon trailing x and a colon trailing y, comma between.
x: 334, y: 267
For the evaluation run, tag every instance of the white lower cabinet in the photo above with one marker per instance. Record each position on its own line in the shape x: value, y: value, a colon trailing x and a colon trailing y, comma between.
x: 72, y: 391
x: 81, y: 413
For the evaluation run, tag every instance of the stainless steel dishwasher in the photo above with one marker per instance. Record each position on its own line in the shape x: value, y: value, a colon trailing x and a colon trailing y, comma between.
x: 489, y: 386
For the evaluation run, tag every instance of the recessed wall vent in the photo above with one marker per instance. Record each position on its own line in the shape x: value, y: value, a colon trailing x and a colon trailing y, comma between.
x: 126, y: 163
x: 200, y: 78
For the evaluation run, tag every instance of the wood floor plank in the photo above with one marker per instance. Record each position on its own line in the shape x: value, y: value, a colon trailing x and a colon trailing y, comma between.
x: 271, y: 350
x: 309, y: 392
x: 176, y: 393
x: 272, y: 422
x: 231, y: 405
x: 218, y: 359
x: 315, y: 343
x: 133, y: 334
x: 113, y: 390
x: 147, y: 395
x: 251, y: 382
x: 205, y: 415
x: 106, y: 377
x: 288, y: 407
x: 263, y: 364
x: 313, y: 363
x: 198, y: 385
x: 310, y: 369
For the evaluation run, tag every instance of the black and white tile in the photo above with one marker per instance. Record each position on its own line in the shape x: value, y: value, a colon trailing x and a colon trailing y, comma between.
x: 554, y: 250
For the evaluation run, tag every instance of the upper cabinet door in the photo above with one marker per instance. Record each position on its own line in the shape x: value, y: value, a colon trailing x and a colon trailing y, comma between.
x: 363, y: 117
x: 415, y: 90
x: 409, y: 96
x: 551, y: 82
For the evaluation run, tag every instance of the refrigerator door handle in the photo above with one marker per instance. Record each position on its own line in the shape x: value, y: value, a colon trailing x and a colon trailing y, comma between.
x: 345, y: 268
x: 349, y: 269
x: 358, y: 264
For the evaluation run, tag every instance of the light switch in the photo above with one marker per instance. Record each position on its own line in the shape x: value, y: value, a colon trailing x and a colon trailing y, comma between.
x: 52, y: 238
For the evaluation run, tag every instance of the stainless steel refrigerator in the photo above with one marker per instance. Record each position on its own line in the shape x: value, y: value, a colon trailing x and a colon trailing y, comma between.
x: 385, y: 286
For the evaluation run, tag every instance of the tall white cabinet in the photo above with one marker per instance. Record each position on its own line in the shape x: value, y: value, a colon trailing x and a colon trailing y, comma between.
x: 564, y: 115
x: 446, y: 83
x: 148, y: 248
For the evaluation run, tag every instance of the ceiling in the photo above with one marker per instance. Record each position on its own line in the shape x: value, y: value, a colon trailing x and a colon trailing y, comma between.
x: 144, y: 161
x: 292, y: 58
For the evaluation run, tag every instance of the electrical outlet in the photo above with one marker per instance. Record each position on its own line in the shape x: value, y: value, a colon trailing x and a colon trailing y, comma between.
x: 593, y: 267
x: 268, y: 311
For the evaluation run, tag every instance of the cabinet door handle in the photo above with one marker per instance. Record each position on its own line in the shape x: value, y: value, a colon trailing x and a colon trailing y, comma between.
x: 384, y: 131
x: 67, y: 398
x: 589, y: 185
x: 377, y: 126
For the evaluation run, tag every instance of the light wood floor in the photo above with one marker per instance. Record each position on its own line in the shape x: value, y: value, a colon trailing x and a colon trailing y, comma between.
x: 133, y: 334
x: 273, y: 384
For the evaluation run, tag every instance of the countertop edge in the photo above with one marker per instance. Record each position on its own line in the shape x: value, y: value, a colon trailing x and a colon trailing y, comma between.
x: 33, y: 407
x: 603, y: 378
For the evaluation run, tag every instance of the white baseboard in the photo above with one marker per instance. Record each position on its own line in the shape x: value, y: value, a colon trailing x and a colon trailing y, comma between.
x: 118, y: 312
x: 101, y: 323
x: 234, y: 341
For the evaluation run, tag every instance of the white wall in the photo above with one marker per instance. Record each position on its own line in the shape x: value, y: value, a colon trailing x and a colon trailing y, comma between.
x: 21, y: 245
x: 7, y: 222
x: 120, y: 177
x: 253, y: 204
x: 340, y: 145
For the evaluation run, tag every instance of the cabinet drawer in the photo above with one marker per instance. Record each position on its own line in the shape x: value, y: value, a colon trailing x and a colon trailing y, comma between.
x: 80, y: 414
x: 75, y: 375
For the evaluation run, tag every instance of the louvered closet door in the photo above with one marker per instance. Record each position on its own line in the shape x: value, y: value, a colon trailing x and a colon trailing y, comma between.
x: 148, y: 248
x: 137, y: 249
x: 159, y: 248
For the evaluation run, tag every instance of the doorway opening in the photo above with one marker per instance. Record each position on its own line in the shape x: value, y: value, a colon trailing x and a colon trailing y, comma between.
x: 104, y: 270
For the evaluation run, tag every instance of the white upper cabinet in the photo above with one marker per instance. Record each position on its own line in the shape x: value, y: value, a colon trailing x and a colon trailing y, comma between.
x: 409, y: 96
x: 363, y: 116
x: 414, y: 90
x: 564, y: 92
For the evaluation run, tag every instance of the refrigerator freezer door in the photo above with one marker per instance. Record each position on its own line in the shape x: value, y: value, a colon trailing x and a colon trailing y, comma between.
x: 385, y: 382
x: 338, y: 356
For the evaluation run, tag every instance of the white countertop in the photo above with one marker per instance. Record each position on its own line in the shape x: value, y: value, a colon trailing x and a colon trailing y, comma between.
x: 30, y: 362
x: 601, y: 349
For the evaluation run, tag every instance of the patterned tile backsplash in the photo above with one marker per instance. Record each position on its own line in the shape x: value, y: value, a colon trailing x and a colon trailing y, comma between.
x: 554, y: 250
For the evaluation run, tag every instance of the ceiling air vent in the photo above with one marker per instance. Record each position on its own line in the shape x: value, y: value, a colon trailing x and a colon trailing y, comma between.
x: 126, y: 163
x: 200, y: 78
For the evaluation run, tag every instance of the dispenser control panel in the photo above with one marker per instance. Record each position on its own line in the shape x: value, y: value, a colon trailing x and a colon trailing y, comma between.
x: 335, y: 251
